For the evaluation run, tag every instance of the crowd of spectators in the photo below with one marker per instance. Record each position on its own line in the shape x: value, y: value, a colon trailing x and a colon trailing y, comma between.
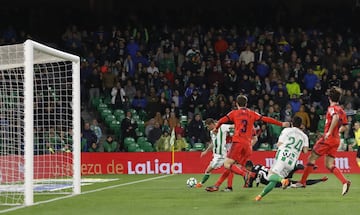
x: 198, y: 71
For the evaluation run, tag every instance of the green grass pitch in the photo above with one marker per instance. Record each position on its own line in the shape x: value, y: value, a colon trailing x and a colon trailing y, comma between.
x: 168, y: 194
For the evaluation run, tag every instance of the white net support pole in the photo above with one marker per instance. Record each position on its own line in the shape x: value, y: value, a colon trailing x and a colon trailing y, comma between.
x: 28, y: 123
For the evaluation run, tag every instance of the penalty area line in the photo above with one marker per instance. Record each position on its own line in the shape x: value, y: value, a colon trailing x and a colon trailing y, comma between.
x: 86, y: 192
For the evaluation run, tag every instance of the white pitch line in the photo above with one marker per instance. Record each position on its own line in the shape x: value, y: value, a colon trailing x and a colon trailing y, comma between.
x: 86, y: 192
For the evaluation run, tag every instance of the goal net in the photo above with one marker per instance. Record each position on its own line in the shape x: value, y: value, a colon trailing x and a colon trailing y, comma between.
x: 39, y: 123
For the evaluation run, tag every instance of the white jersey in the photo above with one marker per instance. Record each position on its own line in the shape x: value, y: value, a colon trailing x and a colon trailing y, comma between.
x: 219, y: 145
x: 219, y: 140
x: 293, y: 140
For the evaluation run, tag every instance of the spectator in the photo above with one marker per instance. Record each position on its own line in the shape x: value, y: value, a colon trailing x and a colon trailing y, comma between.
x: 90, y: 137
x: 128, y: 126
x: 221, y: 45
x: 293, y: 88
x: 192, y: 103
x: 173, y: 120
x: 179, y: 129
x: 139, y: 101
x: 154, y: 133
x: 109, y: 80
x: 180, y: 143
x: 314, y: 119
x: 109, y: 144
x: 153, y: 104
x: 117, y: 96
x: 163, y: 143
x: 305, y: 119
x: 96, y: 129
x: 196, y: 130
x: 149, y: 125
x: 130, y: 90
x: 152, y: 68
x: 247, y: 55
x: 132, y: 47
x: 295, y: 103
x: 310, y: 80
x: 166, y: 126
x: 129, y: 66
x: 93, y: 84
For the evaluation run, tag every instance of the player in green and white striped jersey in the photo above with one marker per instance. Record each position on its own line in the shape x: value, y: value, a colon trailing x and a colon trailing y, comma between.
x: 219, y: 147
x: 290, y: 144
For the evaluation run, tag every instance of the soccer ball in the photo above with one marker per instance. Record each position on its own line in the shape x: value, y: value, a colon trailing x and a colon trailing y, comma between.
x: 191, y: 182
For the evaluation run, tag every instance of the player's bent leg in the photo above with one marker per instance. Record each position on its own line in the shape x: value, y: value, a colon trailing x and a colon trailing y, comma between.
x: 266, y: 190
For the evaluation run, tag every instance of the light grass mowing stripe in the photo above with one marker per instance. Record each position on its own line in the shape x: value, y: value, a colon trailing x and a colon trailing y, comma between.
x: 86, y: 192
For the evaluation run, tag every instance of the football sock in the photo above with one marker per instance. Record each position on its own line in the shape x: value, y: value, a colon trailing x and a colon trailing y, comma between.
x: 274, y: 179
x: 238, y: 170
x: 338, y: 174
x: 222, y: 178
x: 308, y: 169
x: 205, y: 178
x: 268, y: 188
x: 230, y: 179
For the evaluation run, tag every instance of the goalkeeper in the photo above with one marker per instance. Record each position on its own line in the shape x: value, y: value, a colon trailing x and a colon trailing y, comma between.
x: 262, y: 173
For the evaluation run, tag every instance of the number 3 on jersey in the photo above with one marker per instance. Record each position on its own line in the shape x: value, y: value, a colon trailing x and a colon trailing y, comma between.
x: 244, y: 122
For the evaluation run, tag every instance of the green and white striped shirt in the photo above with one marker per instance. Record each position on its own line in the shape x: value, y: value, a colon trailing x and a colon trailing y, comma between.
x: 219, y: 139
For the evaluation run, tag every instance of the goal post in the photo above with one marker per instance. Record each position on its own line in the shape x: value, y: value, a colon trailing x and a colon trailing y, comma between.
x: 39, y: 122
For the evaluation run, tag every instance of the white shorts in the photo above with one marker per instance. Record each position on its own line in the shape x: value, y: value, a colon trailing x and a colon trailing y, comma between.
x: 217, y: 161
x: 282, y: 166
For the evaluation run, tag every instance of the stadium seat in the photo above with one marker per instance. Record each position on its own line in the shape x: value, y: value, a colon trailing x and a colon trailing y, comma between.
x: 146, y: 146
x: 198, y: 147
x: 136, y: 117
x: 264, y: 147
x: 108, y: 119
x: 107, y: 100
x: 128, y: 141
x: 133, y: 111
x: 104, y: 113
x: 321, y: 124
x: 119, y: 113
x: 143, y: 115
x: 132, y: 147
x: 141, y: 126
x: 141, y: 139
x: 101, y: 107
x: 139, y: 133
x: 115, y: 127
x: 183, y: 120
x: 96, y: 101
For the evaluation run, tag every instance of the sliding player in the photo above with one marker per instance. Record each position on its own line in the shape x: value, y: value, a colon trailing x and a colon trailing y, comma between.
x: 262, y: 175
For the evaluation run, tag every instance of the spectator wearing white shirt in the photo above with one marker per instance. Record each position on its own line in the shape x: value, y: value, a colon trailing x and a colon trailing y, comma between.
x: 152, y: 68
x: 247, y: 55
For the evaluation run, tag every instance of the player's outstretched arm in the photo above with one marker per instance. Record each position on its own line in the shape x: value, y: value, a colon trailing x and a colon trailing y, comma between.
x: 273, y: 121
x: 209, y: 148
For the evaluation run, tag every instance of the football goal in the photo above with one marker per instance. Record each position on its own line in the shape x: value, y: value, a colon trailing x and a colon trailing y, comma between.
x: 39, y: 123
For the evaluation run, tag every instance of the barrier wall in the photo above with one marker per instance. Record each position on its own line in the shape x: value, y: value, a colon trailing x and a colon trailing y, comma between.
x: 12, y: 166
x: 186, y: 162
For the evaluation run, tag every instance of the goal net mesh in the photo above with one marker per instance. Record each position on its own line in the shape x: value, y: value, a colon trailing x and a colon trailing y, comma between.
x: 52, y: 124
